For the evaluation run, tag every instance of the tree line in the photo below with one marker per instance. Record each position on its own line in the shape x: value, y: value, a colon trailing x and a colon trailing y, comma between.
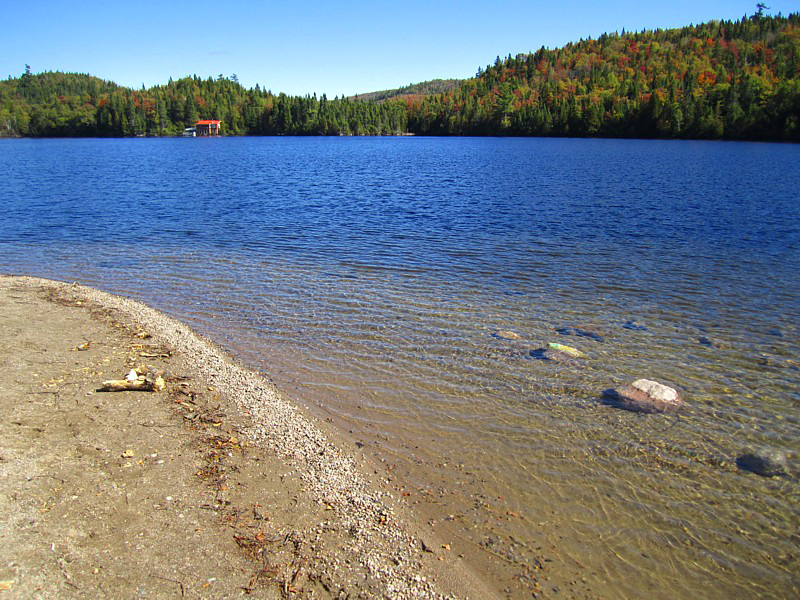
x: 722, y: 79
x: 57, y: 104
x: 717, y: 80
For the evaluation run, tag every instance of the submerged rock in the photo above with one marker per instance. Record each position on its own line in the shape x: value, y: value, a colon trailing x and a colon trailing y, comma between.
x: 582, y: 331
x: 644, y: 395
x: 766, y: 462
x: 765, y: 361
x: 709, y: 343
x: 634, y: 326
x: 506, y: 335
x: 552, y: 355
x: 574, y: 352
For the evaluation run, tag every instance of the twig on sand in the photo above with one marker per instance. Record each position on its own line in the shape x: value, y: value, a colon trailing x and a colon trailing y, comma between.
x: 55, y: 395
x: 171, y: 580
x: 61, y: 565
x: 57, y: 392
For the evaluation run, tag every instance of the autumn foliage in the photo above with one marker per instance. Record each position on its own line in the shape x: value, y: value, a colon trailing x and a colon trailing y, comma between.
x: 722, y: 79
x: 718, y: 80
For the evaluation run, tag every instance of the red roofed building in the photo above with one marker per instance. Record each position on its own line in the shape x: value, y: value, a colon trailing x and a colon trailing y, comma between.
x: 207, y: 128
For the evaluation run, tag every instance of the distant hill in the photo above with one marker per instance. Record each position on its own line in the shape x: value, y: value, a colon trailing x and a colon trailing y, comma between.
x: 57, y: 104
x: 426, y: 88
x: 24, y: 102
x: 717, y: 80
x: 722, y: 79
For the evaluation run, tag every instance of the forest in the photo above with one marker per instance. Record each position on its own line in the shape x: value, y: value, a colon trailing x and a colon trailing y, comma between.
x: 72, y: 105
x: 426, y: 88
x: 722, y: 79
x: 717, y: 80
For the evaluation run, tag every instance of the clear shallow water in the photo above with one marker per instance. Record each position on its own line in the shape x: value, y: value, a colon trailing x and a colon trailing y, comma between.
x: 366, y: 276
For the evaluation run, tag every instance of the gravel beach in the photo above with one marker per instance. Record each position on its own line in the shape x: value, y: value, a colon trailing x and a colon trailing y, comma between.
x: 214, y: 487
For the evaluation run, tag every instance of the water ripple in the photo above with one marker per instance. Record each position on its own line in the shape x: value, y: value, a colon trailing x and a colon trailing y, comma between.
x: 366, y: 276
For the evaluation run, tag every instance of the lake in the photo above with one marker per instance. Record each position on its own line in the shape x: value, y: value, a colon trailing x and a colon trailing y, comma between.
x: 367, y: 276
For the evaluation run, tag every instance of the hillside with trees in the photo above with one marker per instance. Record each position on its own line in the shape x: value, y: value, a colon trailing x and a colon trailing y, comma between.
x: 722, y: 79
x: 717, y: 80
x: 68, y: 104
x: 425, y: 88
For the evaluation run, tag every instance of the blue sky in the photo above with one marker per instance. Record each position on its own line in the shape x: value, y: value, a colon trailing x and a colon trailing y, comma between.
x: 303, y: 47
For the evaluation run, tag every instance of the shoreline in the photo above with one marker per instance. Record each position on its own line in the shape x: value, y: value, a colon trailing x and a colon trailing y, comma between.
x: 342, y: 530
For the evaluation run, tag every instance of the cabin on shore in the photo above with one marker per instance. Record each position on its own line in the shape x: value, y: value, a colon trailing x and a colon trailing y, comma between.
x: 207, y: 128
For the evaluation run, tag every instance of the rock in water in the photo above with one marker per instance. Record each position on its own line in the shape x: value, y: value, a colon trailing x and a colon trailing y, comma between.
x: 549, y: 354
x: 582, y: 331
x: 506, y: 335
x: 573, y: 352
x: 767, y: 462
x: 709, y: 343
x: 646, y: 396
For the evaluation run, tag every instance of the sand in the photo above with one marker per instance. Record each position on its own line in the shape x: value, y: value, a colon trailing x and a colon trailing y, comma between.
x: 215, y: 487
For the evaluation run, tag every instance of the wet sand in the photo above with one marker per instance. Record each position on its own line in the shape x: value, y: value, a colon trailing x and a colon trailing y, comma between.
x: 214, y: 487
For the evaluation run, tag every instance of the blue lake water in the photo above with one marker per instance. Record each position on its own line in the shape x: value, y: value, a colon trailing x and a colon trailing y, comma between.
x: 366, y: 276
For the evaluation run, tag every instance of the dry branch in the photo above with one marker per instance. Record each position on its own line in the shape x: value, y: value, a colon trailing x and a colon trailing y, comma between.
x: 141, y: 379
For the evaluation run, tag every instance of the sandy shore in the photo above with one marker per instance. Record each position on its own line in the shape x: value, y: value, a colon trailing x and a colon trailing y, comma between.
x: 215, y: 487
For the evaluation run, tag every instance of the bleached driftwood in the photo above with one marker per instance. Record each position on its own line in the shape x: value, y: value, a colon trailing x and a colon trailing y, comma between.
x: 141, y: 379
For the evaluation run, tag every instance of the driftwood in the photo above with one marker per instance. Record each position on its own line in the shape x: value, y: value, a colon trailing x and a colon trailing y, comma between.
x: 141, y: 379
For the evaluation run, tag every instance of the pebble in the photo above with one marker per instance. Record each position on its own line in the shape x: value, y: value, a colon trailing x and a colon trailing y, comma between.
x: 586, y: 331
x: 552, y: 355
x: 709, y: 343
x: 574, y: 352
x: 506, y: 335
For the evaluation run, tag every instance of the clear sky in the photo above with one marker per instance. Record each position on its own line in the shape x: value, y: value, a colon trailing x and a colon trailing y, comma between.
x: 305, y: 46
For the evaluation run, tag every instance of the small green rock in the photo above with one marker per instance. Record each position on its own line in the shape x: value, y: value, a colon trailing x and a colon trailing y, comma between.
x: 567, y: 349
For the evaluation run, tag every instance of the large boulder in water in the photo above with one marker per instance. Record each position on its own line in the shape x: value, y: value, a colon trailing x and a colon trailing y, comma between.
x: 644, y: 395
x: 767, y: 462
